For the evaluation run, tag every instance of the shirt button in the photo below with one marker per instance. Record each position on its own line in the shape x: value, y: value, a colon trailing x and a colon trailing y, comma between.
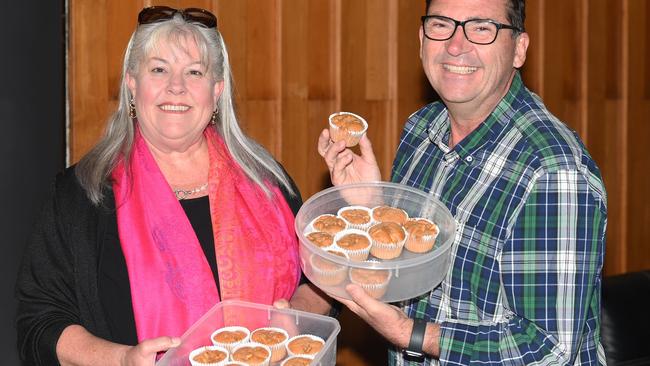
x: 469, y: 159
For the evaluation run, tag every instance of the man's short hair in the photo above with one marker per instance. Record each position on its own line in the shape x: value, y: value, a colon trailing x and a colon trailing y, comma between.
x: 516, y: 13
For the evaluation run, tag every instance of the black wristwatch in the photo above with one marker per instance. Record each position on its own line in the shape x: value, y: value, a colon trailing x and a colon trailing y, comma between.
x: 414, y: 351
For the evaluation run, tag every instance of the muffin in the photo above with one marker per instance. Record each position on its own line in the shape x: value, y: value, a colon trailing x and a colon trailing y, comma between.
x: 320, y: 239
x: 274, y: 338
x: 357, y: 217
x: 209, y: 356
x: 373, y: 281
x: 422, y: 235
x: 305, y: 345
x: 235, y: 363
x: 347, y: 126
x: 355, y: 243
x: 389, y: 214
x: 252, y: 354
x: 229, y: 337
x: 328, y: 224
x: 297, y: 361
x: 326, y: 272
x: 387, y: 240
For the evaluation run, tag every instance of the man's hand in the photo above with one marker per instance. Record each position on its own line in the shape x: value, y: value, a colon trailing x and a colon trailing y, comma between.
x: 387, y: 320
x: 345, y: 166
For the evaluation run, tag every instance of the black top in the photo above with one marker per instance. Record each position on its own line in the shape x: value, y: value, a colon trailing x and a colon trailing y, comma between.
x: 114, y: 287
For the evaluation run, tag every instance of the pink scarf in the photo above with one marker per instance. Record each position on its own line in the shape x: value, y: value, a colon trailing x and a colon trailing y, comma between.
x: 171, y: 282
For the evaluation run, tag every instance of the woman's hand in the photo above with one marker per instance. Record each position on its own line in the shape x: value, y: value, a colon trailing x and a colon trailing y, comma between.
x: 344, y: 165
x: 77, y: 346
x: 144, y: 354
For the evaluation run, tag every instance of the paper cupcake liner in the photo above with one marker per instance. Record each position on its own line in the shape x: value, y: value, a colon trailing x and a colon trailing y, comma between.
x: 351, y: 225
x: 266, y: 362
x: 328, y: 277
x: 310, y: 227
x: 230, y: 346
x: 351, y: 138
x: 208, y: 348
x: 277, y: 350
x: 289, y: 359
x: 387, y: 250
x: 421, y: 244
x: 372, y: 215
x: 375, y: 291
x: 358, y: 255
x: 309, y: 355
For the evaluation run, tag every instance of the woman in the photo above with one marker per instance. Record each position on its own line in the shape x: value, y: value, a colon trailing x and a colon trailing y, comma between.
x: 173, y: 210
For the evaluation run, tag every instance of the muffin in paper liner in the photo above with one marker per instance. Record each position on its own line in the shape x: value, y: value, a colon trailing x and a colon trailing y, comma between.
x: 235, y: 363
x: 326, y: 223
x: 305, y: 345
x: 297, y: 361
x: 356, y: 251
x: 251, y: 354
x: 385, y: 213
x: 388, y: 240
x: 209, y: 351
x: 273, y: 337
x: 373, y: 281
x: 421, y: 235
x: 320, y: 239
x: 354, y: 217
x: 347, y: 126
x: 228, y: 337
x: 326, y: 272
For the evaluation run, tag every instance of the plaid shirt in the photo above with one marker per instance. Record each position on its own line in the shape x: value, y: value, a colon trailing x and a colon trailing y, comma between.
x: 523, y: 287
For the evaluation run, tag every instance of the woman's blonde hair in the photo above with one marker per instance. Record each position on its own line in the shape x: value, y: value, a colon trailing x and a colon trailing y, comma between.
x: 94, y: 169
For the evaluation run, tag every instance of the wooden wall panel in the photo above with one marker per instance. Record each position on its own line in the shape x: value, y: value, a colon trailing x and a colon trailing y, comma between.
x: 296, y: 61
x: 635, y: 149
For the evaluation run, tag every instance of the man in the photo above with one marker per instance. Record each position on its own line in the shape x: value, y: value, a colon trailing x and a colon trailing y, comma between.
x: 524, y: 283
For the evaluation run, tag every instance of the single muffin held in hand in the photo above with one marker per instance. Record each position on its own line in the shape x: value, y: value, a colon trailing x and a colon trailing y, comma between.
x: 347, y: 126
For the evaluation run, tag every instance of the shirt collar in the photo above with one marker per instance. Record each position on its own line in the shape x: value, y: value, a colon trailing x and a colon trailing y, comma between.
x: 489, y: 130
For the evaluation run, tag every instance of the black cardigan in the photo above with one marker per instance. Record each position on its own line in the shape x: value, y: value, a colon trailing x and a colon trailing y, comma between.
x: 57, y: 279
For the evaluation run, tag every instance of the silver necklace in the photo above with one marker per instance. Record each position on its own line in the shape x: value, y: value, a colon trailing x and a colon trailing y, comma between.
x: 182, y: 194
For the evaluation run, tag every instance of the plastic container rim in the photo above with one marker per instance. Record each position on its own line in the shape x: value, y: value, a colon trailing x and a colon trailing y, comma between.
x: 441, y: 249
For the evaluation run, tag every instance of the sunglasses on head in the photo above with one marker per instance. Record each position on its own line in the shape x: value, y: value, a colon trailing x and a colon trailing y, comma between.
x: 155, y: 14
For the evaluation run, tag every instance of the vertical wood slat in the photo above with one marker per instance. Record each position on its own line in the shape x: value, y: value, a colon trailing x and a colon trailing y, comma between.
x: 637, y: 135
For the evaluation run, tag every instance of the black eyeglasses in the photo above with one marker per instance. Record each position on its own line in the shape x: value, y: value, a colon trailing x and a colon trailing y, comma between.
x: 155, y: 14
x: 479, y: 31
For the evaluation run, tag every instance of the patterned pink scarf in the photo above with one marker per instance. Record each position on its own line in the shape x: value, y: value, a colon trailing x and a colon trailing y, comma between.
x: 171, y: 282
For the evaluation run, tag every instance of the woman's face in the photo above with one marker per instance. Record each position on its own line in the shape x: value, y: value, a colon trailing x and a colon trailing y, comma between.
x: 174, y: 95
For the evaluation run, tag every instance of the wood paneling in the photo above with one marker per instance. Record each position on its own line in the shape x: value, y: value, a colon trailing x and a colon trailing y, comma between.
x: 296, y: 61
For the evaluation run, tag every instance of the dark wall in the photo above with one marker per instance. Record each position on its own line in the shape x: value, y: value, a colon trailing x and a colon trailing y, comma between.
x: 32, y: 120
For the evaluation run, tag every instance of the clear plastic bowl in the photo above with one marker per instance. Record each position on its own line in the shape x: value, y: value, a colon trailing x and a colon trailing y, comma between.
x: 411, y: 274
x: 253, y: 316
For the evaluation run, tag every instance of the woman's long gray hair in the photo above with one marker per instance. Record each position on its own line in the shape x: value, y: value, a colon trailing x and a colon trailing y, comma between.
x: 94, y: 169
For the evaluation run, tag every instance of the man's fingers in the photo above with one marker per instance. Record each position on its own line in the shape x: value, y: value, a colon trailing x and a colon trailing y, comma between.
x: 365, y: 146
x: 323, y: 142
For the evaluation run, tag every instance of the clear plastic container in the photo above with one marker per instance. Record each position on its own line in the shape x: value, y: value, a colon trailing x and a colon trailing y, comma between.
x: 410, y: 274
x: 253, y: 316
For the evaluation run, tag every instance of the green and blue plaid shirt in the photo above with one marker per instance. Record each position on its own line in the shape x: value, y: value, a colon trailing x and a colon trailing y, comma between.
x: 523, y: 287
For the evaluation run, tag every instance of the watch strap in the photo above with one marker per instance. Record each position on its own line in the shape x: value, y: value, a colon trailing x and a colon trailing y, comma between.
x: 414, y: 348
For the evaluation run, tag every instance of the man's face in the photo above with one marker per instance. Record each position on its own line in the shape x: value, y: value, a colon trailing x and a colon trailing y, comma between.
x: 465, y: 74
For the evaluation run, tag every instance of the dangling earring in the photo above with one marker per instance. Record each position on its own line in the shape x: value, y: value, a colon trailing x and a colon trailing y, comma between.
x: 132, y: 113
x: 213, y: 121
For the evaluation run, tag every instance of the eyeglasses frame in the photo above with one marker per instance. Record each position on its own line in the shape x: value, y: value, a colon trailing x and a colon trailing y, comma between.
x: 210, y: 21
x: 458, y: 23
